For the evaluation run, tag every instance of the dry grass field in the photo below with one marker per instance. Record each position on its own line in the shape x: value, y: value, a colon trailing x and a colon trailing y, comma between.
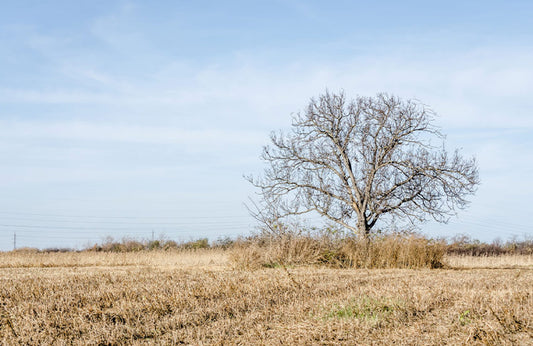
x: 199, y: 297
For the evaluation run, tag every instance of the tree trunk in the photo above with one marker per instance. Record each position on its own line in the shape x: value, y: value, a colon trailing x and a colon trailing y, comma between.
x: 363, y: 228
x: 364, y: 236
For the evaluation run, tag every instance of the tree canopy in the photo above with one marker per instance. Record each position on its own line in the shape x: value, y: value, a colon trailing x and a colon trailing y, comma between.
x: 357, y: 162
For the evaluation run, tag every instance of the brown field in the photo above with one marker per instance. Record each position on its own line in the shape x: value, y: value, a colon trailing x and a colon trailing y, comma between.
x: 198, y: 297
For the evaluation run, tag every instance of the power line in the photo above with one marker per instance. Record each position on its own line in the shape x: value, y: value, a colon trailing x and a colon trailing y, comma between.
x: 125, y: 223
x: 124, y: 217
x: 494, y: 229
x: 492, y: 221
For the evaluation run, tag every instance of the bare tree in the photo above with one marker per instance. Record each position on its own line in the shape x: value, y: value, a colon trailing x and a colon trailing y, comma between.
x: 365, y: 160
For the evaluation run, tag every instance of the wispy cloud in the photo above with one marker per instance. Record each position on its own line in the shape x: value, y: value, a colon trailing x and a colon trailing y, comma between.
x: 468, y: 89
x: 204, y: 139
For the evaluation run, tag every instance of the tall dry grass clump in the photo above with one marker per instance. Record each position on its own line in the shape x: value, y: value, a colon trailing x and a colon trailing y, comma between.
x: 395, y: 251
x: 269, y: 251
x: 384, y: 251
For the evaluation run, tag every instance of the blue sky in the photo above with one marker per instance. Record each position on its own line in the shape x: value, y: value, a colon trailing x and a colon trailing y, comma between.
x: 126, y: 117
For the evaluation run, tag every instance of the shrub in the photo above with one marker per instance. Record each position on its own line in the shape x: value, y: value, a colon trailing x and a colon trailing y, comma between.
x: 465, y: 246
x: 26, y: 250
x: 57, y: 249
x: 170, y: 245
x: 132, y: 245
x: 202, y: 243
x: 224, y: 243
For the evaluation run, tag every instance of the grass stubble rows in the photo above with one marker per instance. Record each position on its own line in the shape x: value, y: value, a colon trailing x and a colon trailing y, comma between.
x: 200, y: 297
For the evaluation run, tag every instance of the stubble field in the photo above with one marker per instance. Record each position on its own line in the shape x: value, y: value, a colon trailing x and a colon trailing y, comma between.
x: 198, y: 297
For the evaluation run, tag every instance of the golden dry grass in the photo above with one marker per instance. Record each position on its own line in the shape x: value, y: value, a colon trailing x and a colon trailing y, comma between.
x: 502, y: 261
x: 199, y: 298
x: 213, y: 258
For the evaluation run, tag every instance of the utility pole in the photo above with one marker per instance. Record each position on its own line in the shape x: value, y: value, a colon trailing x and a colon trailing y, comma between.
x: 152, y: 235
x: 14, y: 240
